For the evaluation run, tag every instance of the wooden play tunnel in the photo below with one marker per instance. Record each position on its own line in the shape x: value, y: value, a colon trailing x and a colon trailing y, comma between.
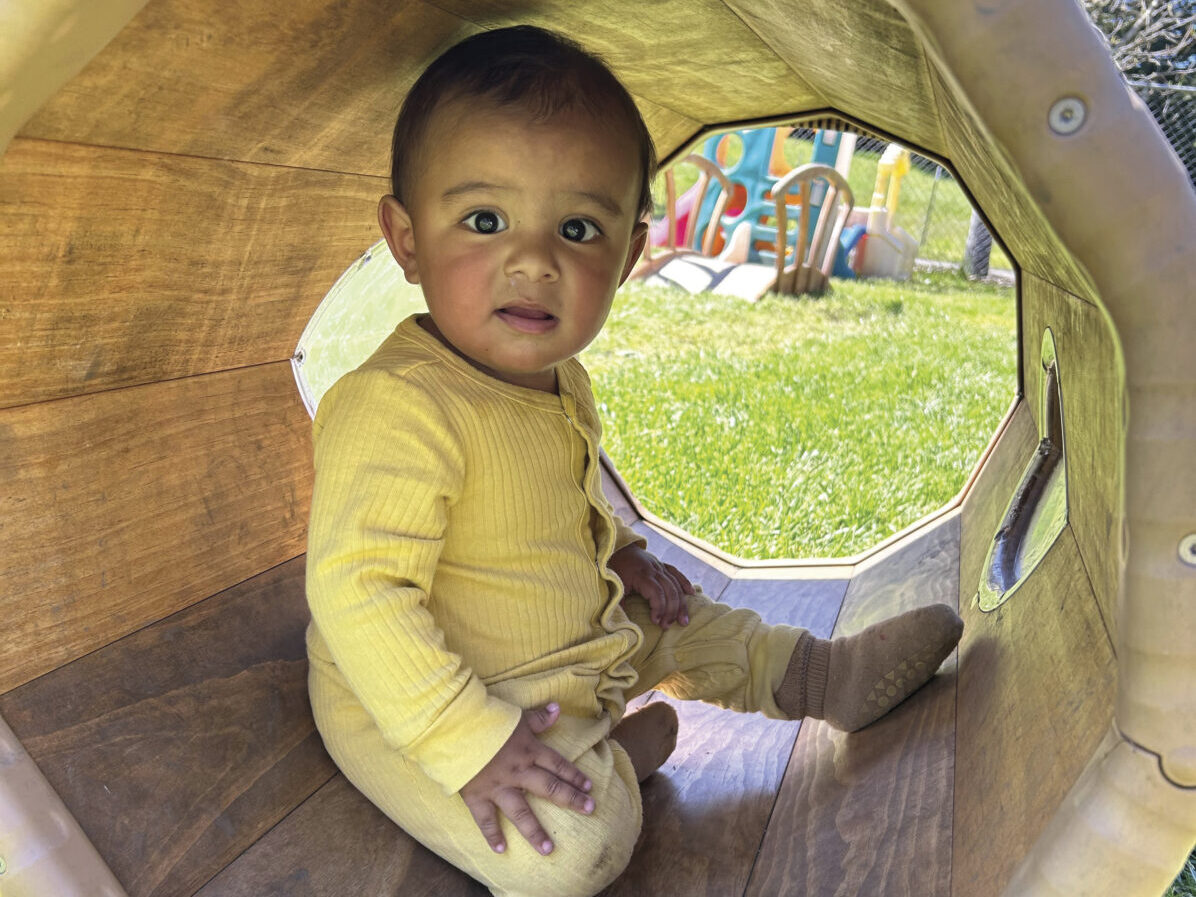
x: 183, y: 180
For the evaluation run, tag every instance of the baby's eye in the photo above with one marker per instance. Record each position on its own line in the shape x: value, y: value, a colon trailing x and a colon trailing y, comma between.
x: 579, y: 230
x: 485, y: 222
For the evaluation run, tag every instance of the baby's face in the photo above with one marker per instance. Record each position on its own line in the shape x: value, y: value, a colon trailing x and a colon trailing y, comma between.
x: 519, y: 233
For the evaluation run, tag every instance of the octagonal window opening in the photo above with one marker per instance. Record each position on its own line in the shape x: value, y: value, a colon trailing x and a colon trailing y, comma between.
x: 792, y: 427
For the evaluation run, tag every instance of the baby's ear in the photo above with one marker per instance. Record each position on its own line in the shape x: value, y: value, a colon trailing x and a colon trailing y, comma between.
x: 395, y: 222
x: 639, y: 239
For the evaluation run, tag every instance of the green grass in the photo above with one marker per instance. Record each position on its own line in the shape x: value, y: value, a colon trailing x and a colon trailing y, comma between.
x: 1185, y: 884
x: 949, y: 209
x: 803, y: 427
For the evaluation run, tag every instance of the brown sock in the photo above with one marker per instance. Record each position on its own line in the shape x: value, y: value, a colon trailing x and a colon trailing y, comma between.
x: 648, y: 736
x: 853, y: 681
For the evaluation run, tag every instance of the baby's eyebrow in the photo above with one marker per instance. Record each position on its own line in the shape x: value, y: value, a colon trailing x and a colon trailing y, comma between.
x: 468, y: 187
x: 602, y: 201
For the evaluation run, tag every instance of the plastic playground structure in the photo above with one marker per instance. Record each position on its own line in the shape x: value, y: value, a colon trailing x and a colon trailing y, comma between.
x: 754, y: 225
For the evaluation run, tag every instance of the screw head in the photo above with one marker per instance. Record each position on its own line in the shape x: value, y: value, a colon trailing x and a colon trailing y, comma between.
x: 1187, y: 549
x: 1067, y: 115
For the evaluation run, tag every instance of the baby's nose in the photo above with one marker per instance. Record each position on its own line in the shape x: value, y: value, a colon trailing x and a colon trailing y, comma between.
x: 532, y: 258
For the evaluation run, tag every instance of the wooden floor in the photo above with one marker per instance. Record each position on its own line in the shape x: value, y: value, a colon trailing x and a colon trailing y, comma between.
x: 188, y: 754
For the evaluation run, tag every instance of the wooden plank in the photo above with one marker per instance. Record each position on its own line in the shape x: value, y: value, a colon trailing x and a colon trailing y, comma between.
x: 1091, y: 386
x: 304, y: 84
x: 178, y: 746
x: 694, y: 57
x: 337, y: 844
x: 123, y: 268
x: 870, y: 812
x: 831, y: 44
x: 125, y: 506
x: 1005, y: 200
x: 1036, y: 691
x: 984, y: 505
x: 706, y: 810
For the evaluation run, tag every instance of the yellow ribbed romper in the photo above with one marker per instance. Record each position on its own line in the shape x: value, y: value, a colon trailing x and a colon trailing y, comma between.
x: 457, y: 574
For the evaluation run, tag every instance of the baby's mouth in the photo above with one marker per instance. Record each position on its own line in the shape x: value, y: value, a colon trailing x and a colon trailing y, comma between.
x: 527, y: 320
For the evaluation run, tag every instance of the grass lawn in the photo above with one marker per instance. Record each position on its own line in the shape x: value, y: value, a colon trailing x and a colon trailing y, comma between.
x: 803, y: 427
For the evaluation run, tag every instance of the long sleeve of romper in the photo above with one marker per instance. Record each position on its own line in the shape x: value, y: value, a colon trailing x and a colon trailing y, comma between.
x: 387, y: 469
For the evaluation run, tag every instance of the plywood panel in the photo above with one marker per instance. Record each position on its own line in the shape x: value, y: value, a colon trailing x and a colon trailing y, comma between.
x: 178, y: 746
x: 1093, y: 424
x: 338, y: 844
x: 1036, y: 687
x: 670, y: 130
x: 705, y: 812
x: 984, y: 505
x: 870, y: 812
x: 305, y: 84
x: 860, y: 57
x: 694, y: 57
x: 125, y: 506
x: 123, y: 268
x: 1010, y: 206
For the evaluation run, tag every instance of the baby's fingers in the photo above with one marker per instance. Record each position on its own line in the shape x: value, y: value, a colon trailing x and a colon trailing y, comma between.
x: 515, y: 807
x: 485, y: 814
x: 682, y: 582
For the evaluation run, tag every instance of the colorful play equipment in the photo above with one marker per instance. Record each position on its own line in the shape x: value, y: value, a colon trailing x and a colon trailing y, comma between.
x: 888, y: 250
x: 181, y: 183
x: 738, y: 223
x: 726, y: 224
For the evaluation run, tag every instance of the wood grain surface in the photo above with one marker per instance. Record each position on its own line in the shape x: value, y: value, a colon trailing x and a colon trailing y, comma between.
x: 304, y: 84
x: 338, y: 844
x: 984, y: 505
x: 870, y: 812
x: 663, y: 54
x: 1036, y: 692
x: 179, y: 746
x: 123, y: 268
x: 123, y: 507
x: 826, y: 36
x: 706, y: 810
x: 1091, y: 387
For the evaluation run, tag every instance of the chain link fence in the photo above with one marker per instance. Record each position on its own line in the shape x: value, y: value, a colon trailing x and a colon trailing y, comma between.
x: 1174, y: 108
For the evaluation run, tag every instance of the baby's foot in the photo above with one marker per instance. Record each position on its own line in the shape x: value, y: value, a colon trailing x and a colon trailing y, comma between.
x: 648, y: 736
x: 853, y: 681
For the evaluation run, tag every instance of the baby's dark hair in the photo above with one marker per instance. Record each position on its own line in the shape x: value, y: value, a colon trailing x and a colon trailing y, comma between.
x: 538, y: 70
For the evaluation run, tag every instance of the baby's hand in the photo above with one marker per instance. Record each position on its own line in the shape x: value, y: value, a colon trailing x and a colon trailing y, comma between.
x: 525, y: 765
x: 662, y: 585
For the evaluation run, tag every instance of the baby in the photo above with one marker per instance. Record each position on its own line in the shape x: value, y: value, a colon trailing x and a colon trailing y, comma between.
x: 479, y: 615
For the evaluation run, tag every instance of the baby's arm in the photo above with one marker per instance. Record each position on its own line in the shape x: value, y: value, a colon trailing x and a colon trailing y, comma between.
x: 662, y: 585
x: 386, y: 473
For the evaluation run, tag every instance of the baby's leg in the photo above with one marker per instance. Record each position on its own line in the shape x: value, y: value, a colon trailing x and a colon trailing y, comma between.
x: 649, y: 737
x: 590, y: 851
x: 853, y: 681
x: 729, y: 657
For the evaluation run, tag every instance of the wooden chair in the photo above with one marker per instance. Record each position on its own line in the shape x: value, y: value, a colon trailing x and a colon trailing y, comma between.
x: 656, y: 257
x: 806, y: 268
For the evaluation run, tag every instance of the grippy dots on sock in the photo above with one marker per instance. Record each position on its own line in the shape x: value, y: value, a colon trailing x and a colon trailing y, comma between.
x: 853, y: 681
